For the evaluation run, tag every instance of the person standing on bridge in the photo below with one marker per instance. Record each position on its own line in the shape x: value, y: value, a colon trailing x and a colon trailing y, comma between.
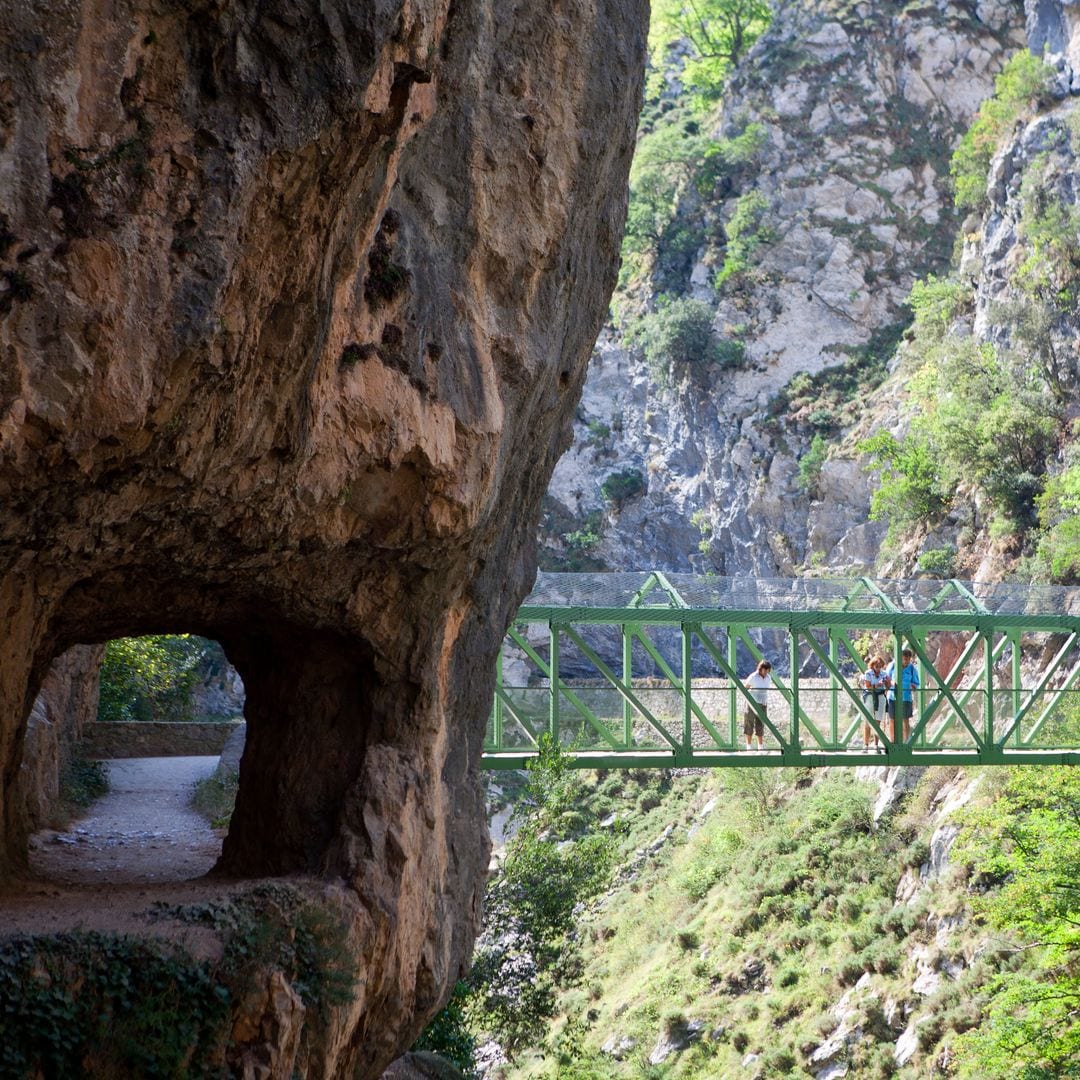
x: 875, y: 684
x: 902, y: 706
x: 759, y: 683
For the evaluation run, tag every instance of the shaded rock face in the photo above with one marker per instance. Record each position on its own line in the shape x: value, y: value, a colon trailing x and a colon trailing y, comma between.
x: 66, y: 703
x: 296, y: 300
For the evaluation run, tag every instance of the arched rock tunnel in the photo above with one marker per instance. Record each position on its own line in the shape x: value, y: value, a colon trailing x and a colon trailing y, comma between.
x: 299, y: 302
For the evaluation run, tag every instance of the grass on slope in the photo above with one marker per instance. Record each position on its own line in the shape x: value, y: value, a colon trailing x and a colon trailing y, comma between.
x: 751, y: 922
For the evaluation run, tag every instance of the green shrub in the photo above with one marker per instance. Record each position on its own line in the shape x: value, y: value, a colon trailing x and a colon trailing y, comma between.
x: 589, y: 535
x: 98, y: 1005
x: 680, y: 334
x: 746, y: 233
x: 787, y: 976
x: 1021, y: 84
x: 938, y: 562
x: 87, y: 1004
x: 448, y: 1033
x: 215, y: 796
x: 713, y: 35
x: 599, y: 433
x: 620, y: 487
x: 811, y: 464
x: 82, y: 781
x: 910, y: 488
x: 936, y: 303
x: 151, y: 678
x: 688, y: 940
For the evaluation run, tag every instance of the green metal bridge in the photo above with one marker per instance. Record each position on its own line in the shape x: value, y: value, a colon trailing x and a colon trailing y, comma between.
x: 647, y: 669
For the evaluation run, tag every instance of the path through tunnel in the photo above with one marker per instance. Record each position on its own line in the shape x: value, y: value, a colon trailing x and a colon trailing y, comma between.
x: 305, y: 695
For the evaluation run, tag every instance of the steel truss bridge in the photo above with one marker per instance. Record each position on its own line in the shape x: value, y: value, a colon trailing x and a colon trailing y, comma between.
x: 633, y: 670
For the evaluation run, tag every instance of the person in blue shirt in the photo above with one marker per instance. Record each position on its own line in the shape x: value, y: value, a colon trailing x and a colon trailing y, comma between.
x: 903, y: 707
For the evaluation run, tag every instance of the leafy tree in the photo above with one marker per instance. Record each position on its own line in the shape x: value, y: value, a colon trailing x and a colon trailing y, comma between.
x: 910, y: 488
x: 666, y: 163
x: 449, y: 1035
x: 986, y: 421
x: 746, y: 232
x: 620, y: 487
x: 811, y: 464
x: 718, y: 33
x: 1028, y: 843
x: 527, y: 951
x: 151, y: 678
x: 680, y: 334
x: 991, y: 423
x: 936, y: 303
x: 1058, y: 555
x: 938, y: 562
x: 549, y: 869
x: 1047, y: 283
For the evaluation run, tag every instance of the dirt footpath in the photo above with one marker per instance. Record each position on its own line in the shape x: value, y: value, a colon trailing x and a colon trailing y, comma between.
x: 138, y: 846
x: 142, y: 831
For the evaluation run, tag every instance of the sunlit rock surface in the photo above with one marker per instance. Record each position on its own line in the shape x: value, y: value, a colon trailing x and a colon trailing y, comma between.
x: 861, y: 106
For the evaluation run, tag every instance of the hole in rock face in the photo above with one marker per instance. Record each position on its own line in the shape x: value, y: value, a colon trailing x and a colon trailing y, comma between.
x: 312, y: 703
x: 147, y: 785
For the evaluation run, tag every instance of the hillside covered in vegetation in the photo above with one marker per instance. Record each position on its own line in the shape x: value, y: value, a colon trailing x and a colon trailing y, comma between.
x: 766, y: 923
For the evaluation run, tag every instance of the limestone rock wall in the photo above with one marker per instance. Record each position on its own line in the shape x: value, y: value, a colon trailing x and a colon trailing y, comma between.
x: 861, y: 106
x: 296, y: 300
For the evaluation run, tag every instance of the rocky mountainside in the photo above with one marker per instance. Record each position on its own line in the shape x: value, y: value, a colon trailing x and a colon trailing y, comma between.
x: 806, y: 255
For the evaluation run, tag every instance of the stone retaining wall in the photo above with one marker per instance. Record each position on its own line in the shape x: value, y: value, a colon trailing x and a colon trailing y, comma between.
x: 118, y: 740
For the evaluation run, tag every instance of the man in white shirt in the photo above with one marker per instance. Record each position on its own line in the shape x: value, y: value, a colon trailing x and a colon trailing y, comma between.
x: 759, y: 683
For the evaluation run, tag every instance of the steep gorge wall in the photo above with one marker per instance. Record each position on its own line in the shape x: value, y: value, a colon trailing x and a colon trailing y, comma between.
x: 296, y: 300
x: 861, y: 106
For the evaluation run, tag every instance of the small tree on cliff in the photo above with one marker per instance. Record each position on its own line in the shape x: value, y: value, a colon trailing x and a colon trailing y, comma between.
x: 719, y: 32
x: 550, y: 868
x: 151, y: 678
x: 526, y: 951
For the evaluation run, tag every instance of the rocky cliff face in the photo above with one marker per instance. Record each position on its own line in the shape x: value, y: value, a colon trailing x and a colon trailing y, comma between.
x: 297, y: 300
x: 861, y: 106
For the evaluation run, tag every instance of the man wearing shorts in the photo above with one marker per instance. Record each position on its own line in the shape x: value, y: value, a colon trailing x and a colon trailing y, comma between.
x: 901, y: 708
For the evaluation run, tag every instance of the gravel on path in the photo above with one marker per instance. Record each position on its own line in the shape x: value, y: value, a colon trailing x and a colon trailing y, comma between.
x: 142, y: 831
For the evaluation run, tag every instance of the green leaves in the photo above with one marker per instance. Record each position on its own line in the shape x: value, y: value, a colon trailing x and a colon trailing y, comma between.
x: 528, y: 950
x: 717, y: 32
x: 679, y: 334
x: 910, y: 488
x: 1029, y: 841
x: 151, y: 678
x: 747, y: 231
x: 987, y: 420
x: 1021, y: 84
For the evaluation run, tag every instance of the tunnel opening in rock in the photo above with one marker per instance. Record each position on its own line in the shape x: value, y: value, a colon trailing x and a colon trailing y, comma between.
x: 143, y: 791
x: 172, y: 697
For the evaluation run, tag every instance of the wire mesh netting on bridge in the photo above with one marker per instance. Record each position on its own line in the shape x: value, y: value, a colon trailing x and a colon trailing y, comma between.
x: 639, y: 669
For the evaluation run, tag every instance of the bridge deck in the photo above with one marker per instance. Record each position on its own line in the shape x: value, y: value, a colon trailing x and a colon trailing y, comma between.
x: 646, y: 670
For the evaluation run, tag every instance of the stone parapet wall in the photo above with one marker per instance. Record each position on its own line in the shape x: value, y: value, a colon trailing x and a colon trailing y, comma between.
x: 118, y: 740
